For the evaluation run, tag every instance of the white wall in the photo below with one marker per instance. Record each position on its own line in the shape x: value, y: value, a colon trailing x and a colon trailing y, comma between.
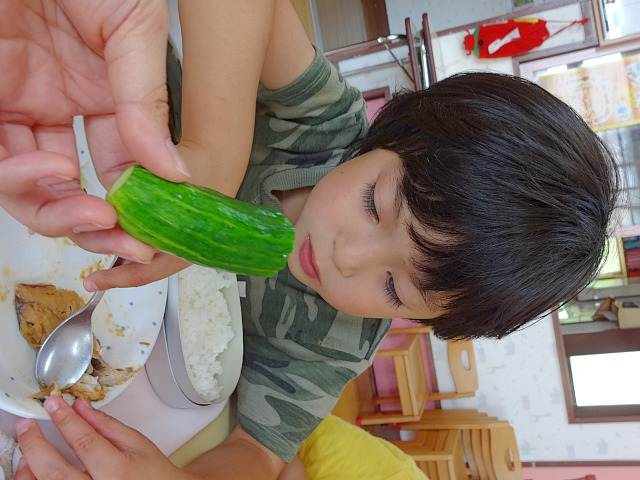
x: 520, y: 382
x: 443, y: 14
x: 378, y: 70
x: 451, y: 56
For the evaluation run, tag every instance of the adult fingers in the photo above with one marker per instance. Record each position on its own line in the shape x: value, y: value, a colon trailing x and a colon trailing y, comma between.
x: 138, y: 49
x: 117, y: 241
x: 21, y: 173
x: 42, y: 190
x: 140, y: 458
x: 43, y: 460
x: 108, y: 153
x: 135, y: 274
x: 95, y: 452
x: 123, y: 438
x: 60, y: 139
x: 60, y: 210
x: 24, y: 472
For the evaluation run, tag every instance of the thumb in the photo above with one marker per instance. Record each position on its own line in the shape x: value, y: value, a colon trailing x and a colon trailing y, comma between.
x: 132, y: 38
x: 118, y: 434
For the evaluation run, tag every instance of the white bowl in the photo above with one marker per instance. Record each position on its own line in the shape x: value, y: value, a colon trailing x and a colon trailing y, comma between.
x: 167, y: 369
x: 126, y: 322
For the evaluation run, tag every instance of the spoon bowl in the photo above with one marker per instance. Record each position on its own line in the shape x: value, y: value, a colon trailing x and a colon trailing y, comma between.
x: 65, y: 354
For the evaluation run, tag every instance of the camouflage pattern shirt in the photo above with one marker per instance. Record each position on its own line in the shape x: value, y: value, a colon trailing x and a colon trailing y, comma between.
x: 299, y: 352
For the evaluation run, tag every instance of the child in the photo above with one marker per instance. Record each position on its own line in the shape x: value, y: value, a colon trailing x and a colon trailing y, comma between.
x: 473, y: 207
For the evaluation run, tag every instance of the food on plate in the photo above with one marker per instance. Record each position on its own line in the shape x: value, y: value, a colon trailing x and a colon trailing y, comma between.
x: 41, y: 308
x: 202, y: 225
x: 205, y: 327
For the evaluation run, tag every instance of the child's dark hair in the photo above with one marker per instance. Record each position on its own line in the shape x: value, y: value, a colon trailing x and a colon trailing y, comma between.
x: 518, y: 184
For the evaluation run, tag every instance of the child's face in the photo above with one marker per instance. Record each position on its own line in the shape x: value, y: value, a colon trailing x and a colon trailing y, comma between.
x: 352, y: 245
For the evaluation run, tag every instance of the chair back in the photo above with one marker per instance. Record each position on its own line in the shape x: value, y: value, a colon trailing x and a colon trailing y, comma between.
x: 465, y: 374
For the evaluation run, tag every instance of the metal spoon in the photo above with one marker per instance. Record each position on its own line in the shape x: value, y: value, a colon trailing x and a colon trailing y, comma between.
x: 65, y: 354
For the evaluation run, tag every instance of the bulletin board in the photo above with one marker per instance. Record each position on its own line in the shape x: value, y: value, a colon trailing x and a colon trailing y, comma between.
x: 606, y: 95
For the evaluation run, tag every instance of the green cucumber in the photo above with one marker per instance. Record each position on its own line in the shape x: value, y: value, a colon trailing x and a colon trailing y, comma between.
x: 201, y: 225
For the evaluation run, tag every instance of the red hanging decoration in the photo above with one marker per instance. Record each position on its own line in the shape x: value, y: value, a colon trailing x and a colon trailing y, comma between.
x: 510, y: 38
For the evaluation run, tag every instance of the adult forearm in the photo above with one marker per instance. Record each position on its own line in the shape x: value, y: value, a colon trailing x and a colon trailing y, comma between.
x: 229, y: 47
x: 224, y: 45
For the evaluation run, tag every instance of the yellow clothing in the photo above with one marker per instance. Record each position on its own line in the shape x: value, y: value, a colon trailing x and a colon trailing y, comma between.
x: 337, y: 449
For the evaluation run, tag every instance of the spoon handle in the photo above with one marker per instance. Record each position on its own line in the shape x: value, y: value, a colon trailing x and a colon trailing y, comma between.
x: 53, y: 363
x: 115, y: 262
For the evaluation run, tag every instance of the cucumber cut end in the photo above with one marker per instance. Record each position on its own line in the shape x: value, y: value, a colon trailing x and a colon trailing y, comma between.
x: 120, y: 180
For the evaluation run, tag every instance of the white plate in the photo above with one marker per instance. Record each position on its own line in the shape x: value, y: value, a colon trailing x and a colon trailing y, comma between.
x: 126, y: 322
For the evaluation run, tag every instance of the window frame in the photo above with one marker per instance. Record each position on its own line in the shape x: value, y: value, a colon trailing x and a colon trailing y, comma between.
x: 609, y: 341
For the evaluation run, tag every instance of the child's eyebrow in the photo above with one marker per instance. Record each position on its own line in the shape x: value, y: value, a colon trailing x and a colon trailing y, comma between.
x: 419, y: 282
x: 414, y: 272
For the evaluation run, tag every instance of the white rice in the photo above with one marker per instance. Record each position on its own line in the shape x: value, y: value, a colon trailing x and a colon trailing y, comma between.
x: 205, y: 326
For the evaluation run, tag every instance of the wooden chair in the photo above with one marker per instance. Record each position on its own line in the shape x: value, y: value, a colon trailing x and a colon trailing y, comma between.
x: 413, y: 391
x: 489, y: 445
x: 492, y: 453
x: 438, y: 453
x: 462, y: 419
x: 465, y: 378
x: 411, y: 380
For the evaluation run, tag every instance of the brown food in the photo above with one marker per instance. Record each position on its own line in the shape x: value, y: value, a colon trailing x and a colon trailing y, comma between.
x: 53, y: 390
x: 41, y: 308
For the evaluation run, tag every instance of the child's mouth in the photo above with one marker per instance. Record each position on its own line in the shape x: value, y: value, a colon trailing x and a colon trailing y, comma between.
x: 307, y: 260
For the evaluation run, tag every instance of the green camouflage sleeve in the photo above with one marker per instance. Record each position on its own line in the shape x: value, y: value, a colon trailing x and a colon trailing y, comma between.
x: 299, y: 353
x: 302, y: 131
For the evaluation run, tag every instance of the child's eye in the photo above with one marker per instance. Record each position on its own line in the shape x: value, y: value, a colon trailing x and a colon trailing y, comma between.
x: 392, y: 296
x: 369, y: 201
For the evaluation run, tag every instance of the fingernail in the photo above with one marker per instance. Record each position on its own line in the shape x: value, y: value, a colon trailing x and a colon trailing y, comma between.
x: 51, y: 404
x: 90, y: 227
x: 86, y: 403
x: 53, y: 180
x: 21, y: 463
x: 22, y: 426
x: 132, y: 258
x: 177, y: 159
x: 63, y: 186
x: 89, y: 286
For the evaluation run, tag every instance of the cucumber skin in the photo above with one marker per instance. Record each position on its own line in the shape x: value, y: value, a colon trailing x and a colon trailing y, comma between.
x: 201, y: 225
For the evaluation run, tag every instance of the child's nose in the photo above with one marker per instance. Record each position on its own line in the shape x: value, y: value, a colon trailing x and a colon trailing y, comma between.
x: 353, y: 254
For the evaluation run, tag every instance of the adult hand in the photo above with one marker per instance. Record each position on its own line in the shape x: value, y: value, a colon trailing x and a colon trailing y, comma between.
x: 107, y: 448
x: 135, y: 274
x: 102, y: 60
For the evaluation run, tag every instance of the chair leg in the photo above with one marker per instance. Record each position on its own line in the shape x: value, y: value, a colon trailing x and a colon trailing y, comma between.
x: 383, y: 400
x: 380, y: 418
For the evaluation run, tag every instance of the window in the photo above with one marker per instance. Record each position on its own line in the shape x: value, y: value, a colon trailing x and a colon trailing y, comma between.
x: 599, y: 373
